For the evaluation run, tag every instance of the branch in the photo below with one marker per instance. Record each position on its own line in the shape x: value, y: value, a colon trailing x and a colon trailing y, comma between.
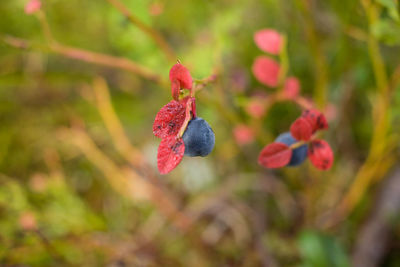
x: 378, y: 160
x: 155, y: 35
x: 133, y: 187
x: 88, y: 56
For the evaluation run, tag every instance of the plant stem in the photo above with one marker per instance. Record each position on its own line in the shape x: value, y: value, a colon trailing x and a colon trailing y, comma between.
x: 377, y: 162
x: 155, y: 35
x: 89, y: 56
x: 321, y: 66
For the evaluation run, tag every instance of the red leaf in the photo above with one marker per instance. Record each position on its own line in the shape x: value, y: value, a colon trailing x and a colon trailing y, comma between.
x: 180, y: 74
x: 320, y: 154
x: 169, y: 119
x: 243, y: 134
x: 269, y: 41
x: 301, y: 129
x: 275, y: 155
x: 266, y: 70
x: 175, y: 89
x: 170, y: 154
x: 291, y: 88
x: 255, y: 108
x: 316, y: 119
x: 32, y: 6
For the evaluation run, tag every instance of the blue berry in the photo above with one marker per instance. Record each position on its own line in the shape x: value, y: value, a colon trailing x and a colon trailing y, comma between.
x: 199, y: 138
x: 299, y: 154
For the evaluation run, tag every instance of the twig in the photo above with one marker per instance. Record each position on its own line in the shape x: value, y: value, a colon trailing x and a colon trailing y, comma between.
x: 321, y: 66
x: 378, y: 161
x: 113, y: 124
x: 88, y: 56
x: 155, y: 35
x: 49, y: 247
x: 115, y: 177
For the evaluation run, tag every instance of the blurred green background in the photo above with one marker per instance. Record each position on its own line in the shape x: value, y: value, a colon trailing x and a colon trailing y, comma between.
x: 77, y: 189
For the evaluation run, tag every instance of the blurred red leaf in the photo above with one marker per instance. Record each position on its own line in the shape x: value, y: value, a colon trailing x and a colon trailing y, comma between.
x: 32, y: 6
x: 256, y: 107
x: 320, y: 154
x: 275, y: 155
x: 316, y: 119
x: 301, y: 129
x: 180, y: 78
x: 243, y: 134
x: 169, y: 119
x: 170, y: 154
x: 266, y: 70
x: 269, y: 40
x: 291, y: 88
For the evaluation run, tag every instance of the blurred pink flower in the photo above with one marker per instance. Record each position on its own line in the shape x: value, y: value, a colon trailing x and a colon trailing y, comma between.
x: 291, y: 88
x: 269, y: 40
x: 243, y: 134
x: 32, y: 6
x: 266, y: 70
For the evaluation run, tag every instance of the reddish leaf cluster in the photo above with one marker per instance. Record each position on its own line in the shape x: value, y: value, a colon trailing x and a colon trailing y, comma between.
x: 172, y: 119
x: 276, y: 155
x: 266, y: 69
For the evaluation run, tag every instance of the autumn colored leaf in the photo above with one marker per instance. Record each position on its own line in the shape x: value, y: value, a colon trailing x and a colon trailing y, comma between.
x: 301, y: 129
x: 256, y: 107
x: 275, y: 155
x: 243, y: 134
x: 269, y: 40
x: 291, y: 88
x: 170, y: 153
x: 33, y: 6
x: 316, y: 119
x: 180, y: 78
x: 320, y: 154
x: 169, y: 119
x: 266, y: 71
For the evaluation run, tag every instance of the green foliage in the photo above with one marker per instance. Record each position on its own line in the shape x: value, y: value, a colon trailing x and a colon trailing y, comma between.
x: 320, y: 250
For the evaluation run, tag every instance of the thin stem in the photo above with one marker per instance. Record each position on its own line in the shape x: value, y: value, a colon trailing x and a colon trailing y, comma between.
x: 377, y: 162
x: 155, y: 35
x: 45, y: 27
x: 321, y: 66
x: 378, y: 64
x: 284, y: 59
x: 113, y: 124
x: 131, y: 185
x: 89, y: 56
x: 106, y: 60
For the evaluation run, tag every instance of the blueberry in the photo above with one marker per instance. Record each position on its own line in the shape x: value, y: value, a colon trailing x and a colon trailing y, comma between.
x: 299, y: 154
x: 199, y: 138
